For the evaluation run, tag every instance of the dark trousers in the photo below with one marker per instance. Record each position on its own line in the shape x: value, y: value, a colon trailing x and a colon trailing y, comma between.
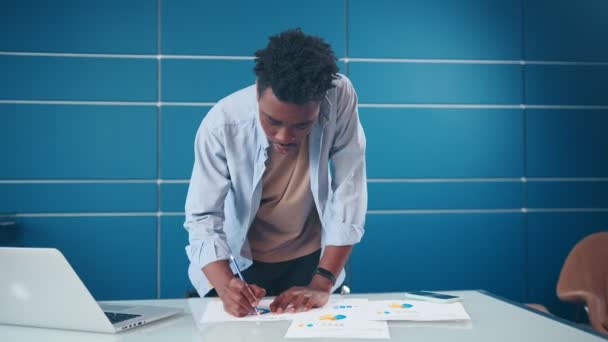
x: 277, y: 277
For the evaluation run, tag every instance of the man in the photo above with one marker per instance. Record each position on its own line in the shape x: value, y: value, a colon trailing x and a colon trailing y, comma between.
x: 261, y: 187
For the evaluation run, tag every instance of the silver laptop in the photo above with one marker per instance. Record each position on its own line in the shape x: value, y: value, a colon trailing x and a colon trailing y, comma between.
x: 39, y: 288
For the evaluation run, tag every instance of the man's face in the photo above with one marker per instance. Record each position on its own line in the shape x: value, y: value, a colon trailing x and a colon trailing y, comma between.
x: 286, y: 124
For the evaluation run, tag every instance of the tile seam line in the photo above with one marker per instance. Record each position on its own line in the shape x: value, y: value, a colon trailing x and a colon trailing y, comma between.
x: 369, y: 180
x: 343, y: 59
x: 360, y: 105
x: 373, y: 211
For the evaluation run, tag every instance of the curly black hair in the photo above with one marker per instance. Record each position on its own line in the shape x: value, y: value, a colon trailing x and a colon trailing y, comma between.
x: 297, y: 67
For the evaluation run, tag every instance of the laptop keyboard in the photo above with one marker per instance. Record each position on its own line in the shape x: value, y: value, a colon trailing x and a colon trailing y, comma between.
x: 119, y: 317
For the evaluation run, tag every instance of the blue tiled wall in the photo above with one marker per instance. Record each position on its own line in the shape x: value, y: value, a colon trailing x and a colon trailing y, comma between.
x: 430, y: 142
x: 485, y: 123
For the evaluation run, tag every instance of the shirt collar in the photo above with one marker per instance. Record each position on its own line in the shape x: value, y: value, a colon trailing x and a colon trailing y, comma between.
x: 325, y: 109
x: 262, y: 140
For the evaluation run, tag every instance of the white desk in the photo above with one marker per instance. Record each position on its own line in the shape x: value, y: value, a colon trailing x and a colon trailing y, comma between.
x: 492, y: 320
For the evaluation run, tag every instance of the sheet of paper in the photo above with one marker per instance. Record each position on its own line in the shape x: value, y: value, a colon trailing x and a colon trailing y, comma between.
x: 214, y: 311
x: 337, y: 321
x: 414, y: 310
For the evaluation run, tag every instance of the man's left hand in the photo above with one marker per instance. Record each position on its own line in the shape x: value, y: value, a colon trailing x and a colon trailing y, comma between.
x: 299, y: 298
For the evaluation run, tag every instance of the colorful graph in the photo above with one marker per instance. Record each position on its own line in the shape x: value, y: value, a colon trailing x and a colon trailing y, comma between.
x: 308, y: 325
x: 343, y: 307
x: 331, y: 317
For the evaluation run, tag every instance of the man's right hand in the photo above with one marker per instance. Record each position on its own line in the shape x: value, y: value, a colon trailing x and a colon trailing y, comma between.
x: 240, y: 298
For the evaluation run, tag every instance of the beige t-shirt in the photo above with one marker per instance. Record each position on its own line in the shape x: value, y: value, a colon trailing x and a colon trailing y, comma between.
x: 287, y: 224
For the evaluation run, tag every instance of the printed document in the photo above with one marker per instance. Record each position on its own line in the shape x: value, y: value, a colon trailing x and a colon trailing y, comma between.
x: 415, y: 310
x: 337, y: 321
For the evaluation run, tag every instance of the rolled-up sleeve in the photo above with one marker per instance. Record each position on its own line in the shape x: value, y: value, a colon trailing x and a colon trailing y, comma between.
x: 208, y: 187
x: 347, y: 205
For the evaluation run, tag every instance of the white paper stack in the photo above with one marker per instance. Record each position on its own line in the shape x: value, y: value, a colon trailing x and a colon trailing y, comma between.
x: 345, y: 320
x: 214, y: 311
x: 350, y: 318
x: 415, y: 310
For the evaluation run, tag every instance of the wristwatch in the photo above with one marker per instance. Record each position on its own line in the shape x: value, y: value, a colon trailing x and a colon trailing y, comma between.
x: 326, y: 274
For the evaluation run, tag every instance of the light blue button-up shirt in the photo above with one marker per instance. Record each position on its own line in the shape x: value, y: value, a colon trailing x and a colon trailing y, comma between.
x: 230, y: 152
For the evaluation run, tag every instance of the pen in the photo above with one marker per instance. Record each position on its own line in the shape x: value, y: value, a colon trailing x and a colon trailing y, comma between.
x: 238, y: 271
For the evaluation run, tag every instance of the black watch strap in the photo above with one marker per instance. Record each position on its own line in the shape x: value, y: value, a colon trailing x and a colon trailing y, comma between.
x: 326, y: 274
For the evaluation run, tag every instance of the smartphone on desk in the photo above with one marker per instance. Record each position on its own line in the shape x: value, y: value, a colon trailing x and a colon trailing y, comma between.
x: 432, y: 297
